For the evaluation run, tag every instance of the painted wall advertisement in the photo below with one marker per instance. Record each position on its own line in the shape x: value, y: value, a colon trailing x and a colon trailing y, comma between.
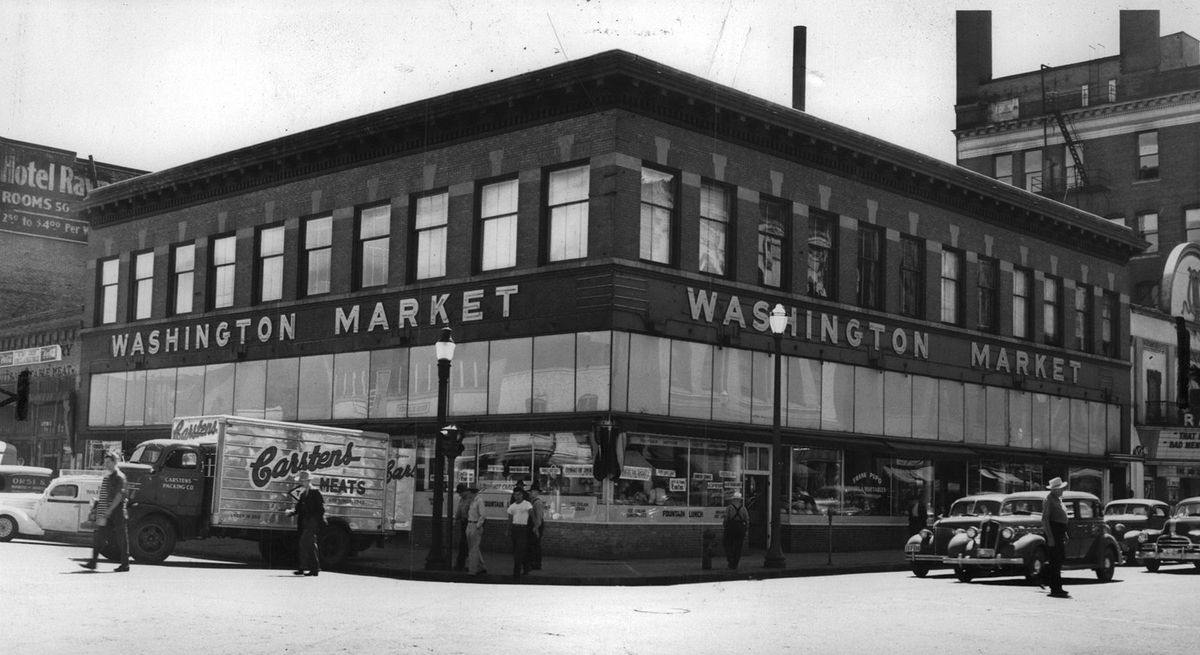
x: 38, y: 193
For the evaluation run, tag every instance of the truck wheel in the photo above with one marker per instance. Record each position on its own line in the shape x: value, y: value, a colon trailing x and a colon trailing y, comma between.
x: 1035, y: 565
x: 1107, y: 566
x: 964, y: 574
x: 8, y: 527
x: 152, y: 540
x: 334, y: 546
x: 920, y: 570
x: 1152, y: 565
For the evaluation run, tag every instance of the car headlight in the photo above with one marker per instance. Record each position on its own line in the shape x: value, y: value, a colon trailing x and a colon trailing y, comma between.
x: 959, y: 531
x: 1120, y: 527
x: 1143, y: 538
x: 1007, y: 534
x: 972, y: 532
x: 1194, y: 534
x: 925, y: 533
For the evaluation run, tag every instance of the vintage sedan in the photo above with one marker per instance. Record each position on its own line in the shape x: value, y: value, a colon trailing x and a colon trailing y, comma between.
x: 1180, y: 539
x: 1013, y: 543
x: 1131, y: 518
x: 60, y: 512
x: 926, y: 549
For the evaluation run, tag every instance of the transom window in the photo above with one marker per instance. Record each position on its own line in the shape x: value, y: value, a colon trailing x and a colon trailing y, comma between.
x: 498, y: 213
x: 658, y: 208
x: 430, y: 226
x: 318, y: 254
x: 224, y: 260
x: 714, y: 228
x: 567, y: 199
x: 374, y: 240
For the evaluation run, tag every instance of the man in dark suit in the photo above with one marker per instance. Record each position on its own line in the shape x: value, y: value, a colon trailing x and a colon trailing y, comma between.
x: 310, y: 518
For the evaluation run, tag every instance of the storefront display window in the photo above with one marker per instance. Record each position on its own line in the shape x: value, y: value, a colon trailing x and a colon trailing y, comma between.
x: 1020, y: 417
x: 898, y: 404
x: 654, y: 472
x: 389, y: 383
x: 868, y: 400
x: 422, y: 381
x: 865, y: 486
x: 909, y: 481
x: 316, y: 388
x: 762, y: 392
x: 1041, y: 421
x: 997, y: 416
x: 974, y: 413
x: 691, y: 379
x: 98, y: 408
x: 350, y: 375
x: 135, y: 398
x: 553, y: 373
x: 189, y: 391
x: 218, y: 389
x: 283, y: 375
x: 951, y: 416
x: 649, y: 374
x: 802, y: 389
x: 816, y: 474
x: 510, y: 368
x: 593, y: 364
x: 733, y: 385
x: 250, y: 389
x: 714, y: 468
x: 1060, y: 424
x: 925, y: 407
x: 1079, y: 426
x: 160, y: 396
x: 837, y: 396
x: 468, y: 384
x: 1086, y: 478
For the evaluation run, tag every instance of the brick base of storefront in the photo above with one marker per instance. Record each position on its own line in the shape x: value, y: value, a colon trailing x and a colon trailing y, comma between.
x: 634, y: 541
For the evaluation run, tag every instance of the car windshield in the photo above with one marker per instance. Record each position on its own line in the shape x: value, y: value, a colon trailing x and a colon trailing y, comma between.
x: 966, y: 507
x: 1122, y: 509
x: 1188, y: 509
x: 1021, y: 506
x: 146, y: 454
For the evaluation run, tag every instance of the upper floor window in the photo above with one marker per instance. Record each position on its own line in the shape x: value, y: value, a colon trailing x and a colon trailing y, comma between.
x: 374, y: 241
x: 1004, y: 168
x: 951, y: 286
x: 1112, y: 90
x: 269, y: 264
x: 912, y: 277
x: 318, y: 255
x: 822, y: 257
x: 1191, y: 218
x: 183, y: 278
x: 143, y: 285
x: 223, y: 270
x: 870, y: 267
x: 1109, y: 323
x: 714, y: 228
x: 658, y: 209
x: 1083, y: 95
x: 498, y: 215
x: 1147, y: 155
x: 109, y: 277
x: 1033, y: 171
x: 567, y: 202
x: 1083, y: 318
x: 1147, y: 225
x: 988, y: 293
x: 772, y: 242
x: 430, y: 227
x: 1052, y: 311
x: 1022, y: 307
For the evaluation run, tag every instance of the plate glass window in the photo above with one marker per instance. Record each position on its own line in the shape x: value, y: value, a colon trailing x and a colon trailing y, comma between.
x: 183, y: 274
x: 1033, y: 171
x: 498, y: 211
x: 1022, y: 309
x: 714, y: 228
x: 1147, y: 143
x: 772, y: 242
x: 1083, y: 318
x: 109, y: 271
x: 143, y: 284
x: 870, y: 267
x: 430, y: 225
x: 374, y: 239
x: 821, y: 248
x: 318, y: 254
x: 912, y: 277
x: 658, y: 207
x: 1108, y: 324
x: 567, y: 196
x: 951, y: 285
x: 224, y: 259
x: 1112, y: 90
x: 270, y: 263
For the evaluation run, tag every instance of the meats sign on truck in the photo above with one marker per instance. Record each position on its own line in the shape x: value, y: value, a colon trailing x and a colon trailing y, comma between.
x: 225, y: 476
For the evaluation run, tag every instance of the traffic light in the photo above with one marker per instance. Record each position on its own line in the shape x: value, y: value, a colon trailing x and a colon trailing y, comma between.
x: 450, y: 442
x: 23, y: 395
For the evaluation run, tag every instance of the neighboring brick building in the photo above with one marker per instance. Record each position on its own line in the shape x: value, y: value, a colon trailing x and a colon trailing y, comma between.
x: 606, y: 238
x: 43, y: 253
x: 1118, y: 136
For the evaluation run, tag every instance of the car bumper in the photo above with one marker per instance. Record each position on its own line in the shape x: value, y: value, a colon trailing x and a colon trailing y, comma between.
x: 1170, y: 555
x: 927, y: 558
x: 985, y: 562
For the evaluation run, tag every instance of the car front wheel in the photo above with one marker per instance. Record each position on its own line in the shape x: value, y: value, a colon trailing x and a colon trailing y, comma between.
x: 964, y: 574
x: 1035, y: 565
x: 1152, y: 565
x: 920, y: 571
x: 1107, y: 566
x: 8, y: 528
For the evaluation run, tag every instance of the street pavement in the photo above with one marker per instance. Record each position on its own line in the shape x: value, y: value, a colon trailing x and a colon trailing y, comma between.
x: 201, y: 605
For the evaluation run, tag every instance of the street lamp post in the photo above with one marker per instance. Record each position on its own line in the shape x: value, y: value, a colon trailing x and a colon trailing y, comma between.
x: 444, y: 349
x: 775, y: 560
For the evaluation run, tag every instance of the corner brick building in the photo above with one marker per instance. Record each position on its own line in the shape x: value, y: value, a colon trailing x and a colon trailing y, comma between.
x: 606, y: 238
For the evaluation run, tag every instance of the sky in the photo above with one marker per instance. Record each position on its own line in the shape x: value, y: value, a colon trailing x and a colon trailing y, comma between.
x: 155, y: 84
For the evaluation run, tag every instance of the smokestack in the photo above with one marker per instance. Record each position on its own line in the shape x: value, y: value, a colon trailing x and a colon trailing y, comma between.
x: 1139, y: 40
x: 799, y: 65
x: 973, y: 50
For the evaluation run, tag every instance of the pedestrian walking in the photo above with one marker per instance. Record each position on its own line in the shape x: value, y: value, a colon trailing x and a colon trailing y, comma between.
x: 475, y: 519
x: 736, y: 521
x: 1054, y: 525
x: 460, y: 526
x: 310, y: 518
x: 918, y: 516
x: 111, y: 516
x: 518, y: 530
x: 537, y: 528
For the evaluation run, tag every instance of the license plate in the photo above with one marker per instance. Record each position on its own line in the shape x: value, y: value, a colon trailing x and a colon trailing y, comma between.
x: 912, y: 548
x: 987, y: 552
x: 1170, y: 552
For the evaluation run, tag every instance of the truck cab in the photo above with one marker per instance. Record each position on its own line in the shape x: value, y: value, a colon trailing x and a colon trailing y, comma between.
x: 173, y: 478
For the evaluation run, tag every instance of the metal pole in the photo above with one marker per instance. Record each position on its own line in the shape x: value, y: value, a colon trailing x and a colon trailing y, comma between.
x: 829, y: 546
x: 436, y: 559
x: 775, y: 559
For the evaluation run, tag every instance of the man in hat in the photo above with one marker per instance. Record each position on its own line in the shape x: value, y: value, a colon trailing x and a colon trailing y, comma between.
x: 460, y: 521
x: 1054, y: 526
x: 737, y: 518
x: 310, y: 518
x: 537, y: 527
x: 475, y: 509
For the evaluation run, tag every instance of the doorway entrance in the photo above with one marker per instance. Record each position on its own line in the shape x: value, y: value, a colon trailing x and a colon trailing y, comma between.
x: 758, y: 504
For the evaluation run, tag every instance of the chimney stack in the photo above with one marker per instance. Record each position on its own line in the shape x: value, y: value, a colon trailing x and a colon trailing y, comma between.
x: 799, y: 65
x: 973, y: 49
x: 1140, y: 50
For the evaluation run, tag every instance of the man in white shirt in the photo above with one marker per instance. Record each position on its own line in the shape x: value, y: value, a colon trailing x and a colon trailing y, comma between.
x: 518, y: 513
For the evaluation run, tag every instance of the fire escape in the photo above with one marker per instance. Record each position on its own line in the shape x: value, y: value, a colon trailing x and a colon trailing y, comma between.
x: 1053, y: 104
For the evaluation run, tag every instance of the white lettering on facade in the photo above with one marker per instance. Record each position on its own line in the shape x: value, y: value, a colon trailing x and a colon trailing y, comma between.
x: 981, y: 357
x: 180, y: 338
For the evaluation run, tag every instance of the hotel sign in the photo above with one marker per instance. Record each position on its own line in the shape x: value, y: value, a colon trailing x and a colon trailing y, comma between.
x: 38, y: 192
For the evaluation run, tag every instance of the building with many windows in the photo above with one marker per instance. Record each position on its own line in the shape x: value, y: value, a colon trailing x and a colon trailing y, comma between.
x: 1116, y: 136
x: 606, y: 238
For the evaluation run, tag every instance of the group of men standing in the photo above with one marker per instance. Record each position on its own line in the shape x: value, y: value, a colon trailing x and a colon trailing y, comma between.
x: 526, y: 528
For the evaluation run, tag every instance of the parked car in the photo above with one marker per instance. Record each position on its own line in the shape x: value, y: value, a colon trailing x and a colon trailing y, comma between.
x: 24, y: 479
x: 59, y: 512
x: 1179, y: 541
x: 1130, y: 518
x: 1013, y: 543
x: 927, y: 549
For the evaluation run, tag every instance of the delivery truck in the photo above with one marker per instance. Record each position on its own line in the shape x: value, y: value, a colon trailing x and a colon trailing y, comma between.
x: 227, y: 476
